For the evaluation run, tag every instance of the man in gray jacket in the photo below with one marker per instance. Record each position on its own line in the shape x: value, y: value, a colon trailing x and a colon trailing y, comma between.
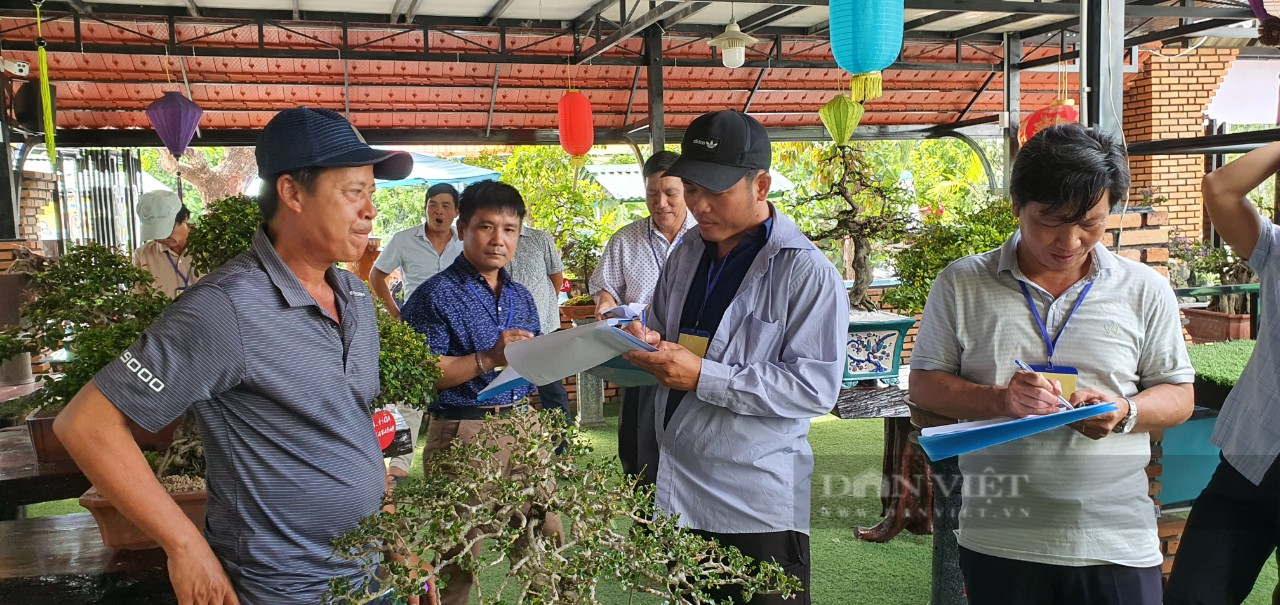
x: 750, y: 322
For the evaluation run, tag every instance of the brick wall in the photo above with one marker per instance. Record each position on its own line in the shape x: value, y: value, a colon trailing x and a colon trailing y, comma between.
x: 37, y: 192
x: 7, y: 250
x: 1167, y: 101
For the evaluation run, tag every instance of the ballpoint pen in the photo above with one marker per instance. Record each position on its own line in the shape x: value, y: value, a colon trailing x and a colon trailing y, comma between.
x: 1062, y: 401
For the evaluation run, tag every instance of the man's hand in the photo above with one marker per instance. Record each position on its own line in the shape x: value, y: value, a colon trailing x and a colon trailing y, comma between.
x: 1029, y: 394
x: 604, y: 302
x: 674, y: 366
x: 1100, y: 426
x: 198, y: 577
x: 637, y: 329
x: 497, y: 355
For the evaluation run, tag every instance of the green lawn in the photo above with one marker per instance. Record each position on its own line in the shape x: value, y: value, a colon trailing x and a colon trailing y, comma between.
x: 845, y: 496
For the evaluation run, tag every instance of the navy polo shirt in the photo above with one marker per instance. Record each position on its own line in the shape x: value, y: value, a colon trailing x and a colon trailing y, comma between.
x: 460, y: 315
x: 715, y: 283
x: 281, y: 394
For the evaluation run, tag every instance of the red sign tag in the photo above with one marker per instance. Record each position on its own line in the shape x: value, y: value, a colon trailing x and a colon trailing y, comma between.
x: 384, y: 424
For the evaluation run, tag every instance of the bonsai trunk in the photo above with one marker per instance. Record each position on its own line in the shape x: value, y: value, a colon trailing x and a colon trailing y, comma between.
x: 862, y: 275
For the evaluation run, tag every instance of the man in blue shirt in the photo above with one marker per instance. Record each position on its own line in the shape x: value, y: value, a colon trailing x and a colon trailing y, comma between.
x: 276, y: 355
x: 750, y: 320
x: 470, y: 312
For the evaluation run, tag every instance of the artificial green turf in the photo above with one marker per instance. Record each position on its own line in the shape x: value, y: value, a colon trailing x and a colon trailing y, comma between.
x: 1221, y: 362
x: 845, y: 496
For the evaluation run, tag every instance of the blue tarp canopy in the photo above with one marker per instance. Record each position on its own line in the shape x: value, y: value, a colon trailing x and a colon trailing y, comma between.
x: 432, y: 170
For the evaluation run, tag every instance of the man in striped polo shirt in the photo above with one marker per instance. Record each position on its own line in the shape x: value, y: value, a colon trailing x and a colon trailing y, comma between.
x: 276, y: 354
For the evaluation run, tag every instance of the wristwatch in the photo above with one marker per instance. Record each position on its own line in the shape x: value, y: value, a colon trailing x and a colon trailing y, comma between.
x: 1130, y: 420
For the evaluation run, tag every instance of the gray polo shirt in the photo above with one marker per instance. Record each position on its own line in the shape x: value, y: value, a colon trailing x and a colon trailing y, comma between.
x: 281, y: 393
x: 535, y: 259
x: 1057, y: 498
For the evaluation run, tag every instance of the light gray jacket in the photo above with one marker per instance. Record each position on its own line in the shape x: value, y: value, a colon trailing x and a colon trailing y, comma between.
x: 735, y: 457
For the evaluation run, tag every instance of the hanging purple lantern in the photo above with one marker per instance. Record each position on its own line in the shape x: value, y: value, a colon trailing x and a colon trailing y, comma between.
x: 1268, y: 14
x: 175, y: 118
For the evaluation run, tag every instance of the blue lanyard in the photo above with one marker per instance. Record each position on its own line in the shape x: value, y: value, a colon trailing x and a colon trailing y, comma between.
x: 186, y: 279
x: 658, y: 260
x: 1052, y: 343
x: 493, y: 313
x: 713, y: 278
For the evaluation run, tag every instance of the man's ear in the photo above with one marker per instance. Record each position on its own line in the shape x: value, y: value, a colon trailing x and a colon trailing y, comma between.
x: 762, y: 183
x: 461, y: 227
x: 290, y: 193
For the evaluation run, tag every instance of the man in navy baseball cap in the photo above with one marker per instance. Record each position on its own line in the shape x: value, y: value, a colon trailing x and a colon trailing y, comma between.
x: 276, y: 355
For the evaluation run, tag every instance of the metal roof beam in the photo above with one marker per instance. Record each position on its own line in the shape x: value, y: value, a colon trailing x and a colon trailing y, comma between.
x: 495, y: 13
x: 986, y: 26
x: 1206, y: 144
x: 590, y: 14
x: 673, y: 11
x: 764, y: 17
x: 1158, y: 36
x: 920, y: 22
x: 192, y: 8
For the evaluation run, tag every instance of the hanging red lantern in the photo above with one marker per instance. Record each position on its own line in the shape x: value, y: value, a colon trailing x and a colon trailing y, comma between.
x: 577, y: 129
x: 1058, y: 112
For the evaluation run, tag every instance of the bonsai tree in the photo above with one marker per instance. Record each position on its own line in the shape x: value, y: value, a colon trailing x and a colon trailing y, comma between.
x: 936, y: 244
x: 616, y: 531
x: 407, y: 368
x: 224, y: 231
x: 93, y: 301
x: 866, y: 208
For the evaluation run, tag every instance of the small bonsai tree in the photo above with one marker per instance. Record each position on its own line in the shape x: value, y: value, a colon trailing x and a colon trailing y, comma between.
x: 93, y: 301
x: 937, y: 244
x: 616, y: 531
x: 224, y: 231
x: 867, y: 209
x: 406, y: 366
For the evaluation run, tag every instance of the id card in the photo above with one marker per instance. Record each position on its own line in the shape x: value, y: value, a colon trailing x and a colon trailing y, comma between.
x: 696, y: 341
x: 1065, y: 375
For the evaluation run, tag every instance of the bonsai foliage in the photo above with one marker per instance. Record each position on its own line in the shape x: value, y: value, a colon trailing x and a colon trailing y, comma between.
x: 613, y: 528
x: 96, y: 302
x: 90, y: 351
x: 937, y: 244
x: 1206, y: 264
x: 1221, y: 362
x: 406, y: 366
x: 866, y: 211
x: 224, y: 231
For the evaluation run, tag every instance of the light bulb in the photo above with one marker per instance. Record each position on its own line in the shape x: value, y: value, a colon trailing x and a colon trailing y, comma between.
x: 733, y: 56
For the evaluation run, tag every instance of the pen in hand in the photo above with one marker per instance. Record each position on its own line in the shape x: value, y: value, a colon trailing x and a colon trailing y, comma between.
x: 1062, y: 401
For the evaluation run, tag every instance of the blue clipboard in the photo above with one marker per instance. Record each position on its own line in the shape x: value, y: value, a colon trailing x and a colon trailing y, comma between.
x: 946, y: 445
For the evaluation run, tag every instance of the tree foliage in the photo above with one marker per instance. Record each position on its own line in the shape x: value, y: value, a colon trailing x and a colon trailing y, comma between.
x: 399, y: 208
x: 208, y: 173
x: 224, y: 231
x: 570, y: 206
x: 616, y: 530
x: 93, y: 300
x: 406, y: 366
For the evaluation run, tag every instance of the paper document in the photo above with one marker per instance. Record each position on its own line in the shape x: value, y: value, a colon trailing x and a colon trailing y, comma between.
x: 508, y: 380
x: 955, y: 439
x: 623, y: 373
x: 628, y: 312
x: 553, y: 357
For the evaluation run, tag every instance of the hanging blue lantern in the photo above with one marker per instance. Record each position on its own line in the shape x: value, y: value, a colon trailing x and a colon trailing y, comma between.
x: 866, y: 36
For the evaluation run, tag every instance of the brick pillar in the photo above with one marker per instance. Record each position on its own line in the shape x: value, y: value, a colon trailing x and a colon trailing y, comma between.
x: 1168, y: 100
x: 37, y: 192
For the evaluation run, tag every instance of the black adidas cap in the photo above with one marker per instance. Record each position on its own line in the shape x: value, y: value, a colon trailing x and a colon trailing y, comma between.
x: 721, y: 147
x: 304, y: 138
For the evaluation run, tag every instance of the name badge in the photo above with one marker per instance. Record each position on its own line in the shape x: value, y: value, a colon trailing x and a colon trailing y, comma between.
x: 1065, y: 375
x: 696, y: 341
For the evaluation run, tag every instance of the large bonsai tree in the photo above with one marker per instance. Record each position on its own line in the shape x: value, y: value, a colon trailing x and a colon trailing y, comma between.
x: 616, y: 531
